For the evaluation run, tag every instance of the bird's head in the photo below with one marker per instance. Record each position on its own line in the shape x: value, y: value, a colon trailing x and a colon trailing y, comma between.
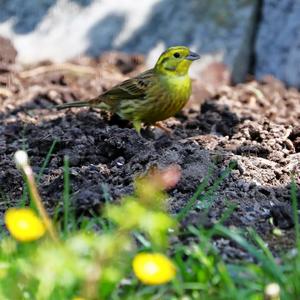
x: 175, y: 61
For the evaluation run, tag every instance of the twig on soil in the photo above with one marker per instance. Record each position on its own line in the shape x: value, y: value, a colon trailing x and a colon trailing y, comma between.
x: 64, y: 67
x: 191, y: 138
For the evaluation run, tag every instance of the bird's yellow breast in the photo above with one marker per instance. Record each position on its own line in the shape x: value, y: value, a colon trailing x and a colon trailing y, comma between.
x: 178, y: 86
x: 167, y: 98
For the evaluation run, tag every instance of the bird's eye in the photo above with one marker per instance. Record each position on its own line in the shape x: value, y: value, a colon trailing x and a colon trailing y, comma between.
x: 176, y: 54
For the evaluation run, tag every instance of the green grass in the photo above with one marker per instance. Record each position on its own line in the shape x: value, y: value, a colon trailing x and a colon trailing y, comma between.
x: 66, y: 195
x: 96, y: 264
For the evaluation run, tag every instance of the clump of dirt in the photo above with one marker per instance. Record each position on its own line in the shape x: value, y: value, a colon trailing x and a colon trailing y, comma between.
x: 255, y: 124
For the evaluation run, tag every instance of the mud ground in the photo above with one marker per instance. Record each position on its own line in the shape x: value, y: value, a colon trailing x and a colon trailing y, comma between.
x: 256, y: 124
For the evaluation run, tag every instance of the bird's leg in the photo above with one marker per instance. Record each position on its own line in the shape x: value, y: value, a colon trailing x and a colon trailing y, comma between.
x: 137, y: 126
x: 163, y: 127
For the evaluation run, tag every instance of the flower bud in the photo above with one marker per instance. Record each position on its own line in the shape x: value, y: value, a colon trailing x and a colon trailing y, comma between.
x: 21, y: 159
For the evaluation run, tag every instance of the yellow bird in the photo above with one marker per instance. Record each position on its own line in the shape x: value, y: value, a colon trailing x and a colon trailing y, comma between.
x: 153, y: 95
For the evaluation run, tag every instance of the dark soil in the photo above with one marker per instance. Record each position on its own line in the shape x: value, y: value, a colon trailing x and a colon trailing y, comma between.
x: 257, y: 124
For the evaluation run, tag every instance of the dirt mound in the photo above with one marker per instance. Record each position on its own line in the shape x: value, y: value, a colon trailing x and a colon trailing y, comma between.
x: 256, y: 124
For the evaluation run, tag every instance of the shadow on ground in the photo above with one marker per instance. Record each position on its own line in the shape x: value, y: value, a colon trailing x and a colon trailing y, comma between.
x: 254, y: 124
x: 106, y: 155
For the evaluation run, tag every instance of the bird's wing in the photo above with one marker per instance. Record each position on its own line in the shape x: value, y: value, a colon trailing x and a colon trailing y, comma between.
x: 134, y: 88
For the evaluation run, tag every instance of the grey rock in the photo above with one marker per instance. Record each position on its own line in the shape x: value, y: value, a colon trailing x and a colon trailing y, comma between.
x: 278, y: 41
x: 221, y: 30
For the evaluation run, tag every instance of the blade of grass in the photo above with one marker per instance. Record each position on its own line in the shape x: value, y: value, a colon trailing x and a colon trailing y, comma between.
x: 24, y: 198
x: 144, y: 242
x: 269, y: 265
x: 226, y: 278
x: 243, y: 274
x: 4, y: 199
x: 39, y: 176
x: 105, y: 192
x: 295, y: 210
x: 56, y: 211
x: 46, y: 161
x: 66, y: 194
x: 228, y: 212
x: 261, y: 244
x: 185, y: 210
x: 95, y: 221
x: 209, y: 195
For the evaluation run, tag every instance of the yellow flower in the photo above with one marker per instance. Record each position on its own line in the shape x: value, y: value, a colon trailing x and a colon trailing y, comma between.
x: 153, y: 268
x: 23, y: 224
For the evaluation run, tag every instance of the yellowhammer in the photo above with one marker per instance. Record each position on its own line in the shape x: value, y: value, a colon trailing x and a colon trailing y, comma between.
x: 152, y: 96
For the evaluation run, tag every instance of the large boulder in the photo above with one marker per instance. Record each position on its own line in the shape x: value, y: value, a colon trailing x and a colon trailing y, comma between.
x: 59, y: 30
x: 278, y: 41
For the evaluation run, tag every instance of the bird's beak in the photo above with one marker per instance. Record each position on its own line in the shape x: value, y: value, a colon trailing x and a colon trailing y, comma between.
x: 192, y: 56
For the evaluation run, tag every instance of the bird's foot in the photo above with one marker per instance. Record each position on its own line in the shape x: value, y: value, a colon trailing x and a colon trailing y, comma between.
x: 161, y: 126
x: 137, y: 126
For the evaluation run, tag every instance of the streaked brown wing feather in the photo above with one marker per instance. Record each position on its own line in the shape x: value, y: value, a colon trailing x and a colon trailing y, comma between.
x: 134, y: 88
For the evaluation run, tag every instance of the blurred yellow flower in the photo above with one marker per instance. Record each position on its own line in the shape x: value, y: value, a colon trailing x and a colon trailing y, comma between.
x: 23, y: 224
x: 153, y: 268
x: 78, y: 298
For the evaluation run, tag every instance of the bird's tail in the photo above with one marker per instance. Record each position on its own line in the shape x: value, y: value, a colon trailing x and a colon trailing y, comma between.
x: 74, y: 104
x: 94, y: 102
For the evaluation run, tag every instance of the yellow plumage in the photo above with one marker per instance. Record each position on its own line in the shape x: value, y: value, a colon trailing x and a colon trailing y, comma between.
x: 152, y: 96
